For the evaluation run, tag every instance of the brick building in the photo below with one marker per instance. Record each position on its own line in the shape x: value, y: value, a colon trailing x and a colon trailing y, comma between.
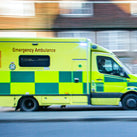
x: 110, y: 23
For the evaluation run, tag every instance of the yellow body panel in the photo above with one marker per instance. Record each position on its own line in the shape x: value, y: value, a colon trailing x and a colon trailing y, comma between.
x: 114, y: 87
x: 70, y: 88
x: 23, y: 88
x: 53, y: 100
x: 7, y: 101
x: 61, y: 57
x: 105, y: 101
x: 79, y: 100
x: 4, y: 76
x: 47, y: 76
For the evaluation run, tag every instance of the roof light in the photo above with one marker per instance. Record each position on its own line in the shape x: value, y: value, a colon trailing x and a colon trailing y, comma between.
x: 94, y: 46
x: 83, y: 44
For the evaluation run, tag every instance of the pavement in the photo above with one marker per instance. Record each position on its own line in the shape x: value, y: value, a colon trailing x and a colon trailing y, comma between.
x: 68, y: 114
x: 5, y: 109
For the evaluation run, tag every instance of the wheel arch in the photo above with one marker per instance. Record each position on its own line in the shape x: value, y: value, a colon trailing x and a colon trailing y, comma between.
x: 21, y: 98
x: 130, y: 92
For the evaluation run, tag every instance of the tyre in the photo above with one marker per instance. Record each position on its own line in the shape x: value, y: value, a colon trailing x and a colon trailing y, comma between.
x: 29, y: 104
x: 129, y: 102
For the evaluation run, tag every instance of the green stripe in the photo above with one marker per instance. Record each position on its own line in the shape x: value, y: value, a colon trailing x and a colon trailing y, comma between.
x: 5, y: 88
x: 132, y: 84
x: 100, y: 87
x: 114, y: 79
x: 23, y: 76
x: 46, y: 88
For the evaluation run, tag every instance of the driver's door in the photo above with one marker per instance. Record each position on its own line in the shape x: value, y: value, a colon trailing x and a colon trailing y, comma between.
x: 110, y: 81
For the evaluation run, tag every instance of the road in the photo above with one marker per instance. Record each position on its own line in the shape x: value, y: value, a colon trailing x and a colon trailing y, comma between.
x: 68, y: 123
x: 69, y: 129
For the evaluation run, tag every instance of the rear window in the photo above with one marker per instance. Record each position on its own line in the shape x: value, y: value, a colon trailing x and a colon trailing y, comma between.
x: 34, y: 60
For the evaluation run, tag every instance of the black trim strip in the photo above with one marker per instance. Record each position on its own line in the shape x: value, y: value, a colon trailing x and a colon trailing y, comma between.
x: 89, y: 99
x: 106, y: 95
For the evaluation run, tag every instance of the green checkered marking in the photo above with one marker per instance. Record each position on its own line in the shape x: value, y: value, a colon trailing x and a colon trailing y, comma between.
x: 46, y: 88
x: 65, y: 76
x: 22, y: 76
x: 77, y: 74
x: 68, y: 76
x: 100, y: 87
x: 5, y: 88
x: 26, y: 76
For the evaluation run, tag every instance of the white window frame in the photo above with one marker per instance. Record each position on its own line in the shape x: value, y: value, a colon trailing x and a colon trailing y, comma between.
x: 17, y: 9
x: 18, y: 34
x: 133, y: 40
x: 77, y: 34
x: 112, y: 40
x: 133, y: 9
x: 74, y: 7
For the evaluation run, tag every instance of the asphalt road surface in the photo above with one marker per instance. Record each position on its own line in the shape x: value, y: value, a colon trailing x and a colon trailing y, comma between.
x: 69, y: 129
x: 68, y: 123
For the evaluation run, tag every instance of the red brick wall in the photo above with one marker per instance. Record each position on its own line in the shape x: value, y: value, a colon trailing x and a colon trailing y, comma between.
x: 109, y: 15
x: 44, y: 18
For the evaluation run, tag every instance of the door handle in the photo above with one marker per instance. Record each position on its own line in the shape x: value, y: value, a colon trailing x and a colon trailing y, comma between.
x: 76, y: 80
x: 99, y: 79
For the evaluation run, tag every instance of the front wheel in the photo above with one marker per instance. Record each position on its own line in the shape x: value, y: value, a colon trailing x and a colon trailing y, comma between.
x: 29, y: 104
x: 129, y: 102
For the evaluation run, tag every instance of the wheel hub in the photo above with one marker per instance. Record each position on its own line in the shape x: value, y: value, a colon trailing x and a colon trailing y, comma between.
x: 131, y: 103
x: 29, y: 104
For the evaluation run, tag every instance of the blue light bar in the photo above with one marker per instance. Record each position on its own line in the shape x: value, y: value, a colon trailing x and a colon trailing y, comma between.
x: 94, y: 46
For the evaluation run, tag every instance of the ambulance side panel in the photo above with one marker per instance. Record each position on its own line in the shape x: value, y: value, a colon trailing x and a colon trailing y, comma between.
x: 66, y: 80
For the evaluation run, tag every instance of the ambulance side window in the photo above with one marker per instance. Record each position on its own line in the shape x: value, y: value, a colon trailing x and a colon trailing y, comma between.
x: 34, y: 61
x: 107, y: 65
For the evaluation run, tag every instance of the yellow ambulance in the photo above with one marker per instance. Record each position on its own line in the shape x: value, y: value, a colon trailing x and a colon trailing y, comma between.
x: 36, y: 72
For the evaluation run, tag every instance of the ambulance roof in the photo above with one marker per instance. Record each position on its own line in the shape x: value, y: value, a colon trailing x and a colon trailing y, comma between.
x: 45, y: 39
x: 97, y: 48
x: 94, y: 47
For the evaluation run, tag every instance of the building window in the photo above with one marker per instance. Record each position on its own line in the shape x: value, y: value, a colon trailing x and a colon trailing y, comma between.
x: 133, y: 40
x: 77, y: 34
x: 127, y: 61
x: 133, y: 8
x: 34, y: 60
x: 76, y: 9
x: 17, y: 9
x: 114, y: 40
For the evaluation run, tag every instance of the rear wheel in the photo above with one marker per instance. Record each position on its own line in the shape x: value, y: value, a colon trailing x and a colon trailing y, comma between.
x: 129, y: 102
x: 29, y: 104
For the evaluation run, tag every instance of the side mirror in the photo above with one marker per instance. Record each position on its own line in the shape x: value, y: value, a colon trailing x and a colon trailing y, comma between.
x: 123, y: 73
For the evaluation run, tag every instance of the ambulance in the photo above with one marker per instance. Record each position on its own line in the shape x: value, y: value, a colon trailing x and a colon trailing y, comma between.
x: 40, y: 72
